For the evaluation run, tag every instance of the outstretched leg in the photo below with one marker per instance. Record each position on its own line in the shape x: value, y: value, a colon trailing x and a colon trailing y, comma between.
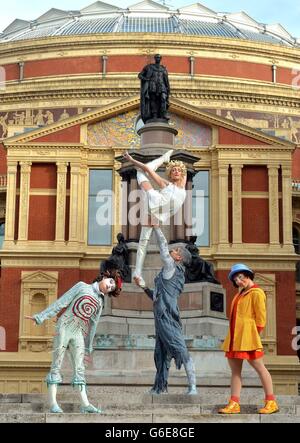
x: 156, y: 163
x: 141, y: 253
x: 150, y: 168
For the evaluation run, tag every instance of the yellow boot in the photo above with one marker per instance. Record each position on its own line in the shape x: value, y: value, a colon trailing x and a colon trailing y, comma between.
x: 270, y: 407
x: 232, y: 408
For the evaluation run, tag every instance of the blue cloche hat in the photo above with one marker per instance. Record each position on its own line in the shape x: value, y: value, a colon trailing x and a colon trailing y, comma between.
x: 240, y: 267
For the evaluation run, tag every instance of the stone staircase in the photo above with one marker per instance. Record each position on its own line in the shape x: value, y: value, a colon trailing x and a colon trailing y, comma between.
x: 132, y: 404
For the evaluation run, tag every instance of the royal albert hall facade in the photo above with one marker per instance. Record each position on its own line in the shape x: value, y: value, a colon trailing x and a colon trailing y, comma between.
x: 69, y: 107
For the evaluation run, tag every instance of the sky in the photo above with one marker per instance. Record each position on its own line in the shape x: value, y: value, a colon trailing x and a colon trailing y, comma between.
x: 285, y: 12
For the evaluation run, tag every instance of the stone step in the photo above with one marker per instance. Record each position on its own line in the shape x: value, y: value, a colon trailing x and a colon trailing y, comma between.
x: 138, y: 409
x: 146, y: 418
x: 130, y: 396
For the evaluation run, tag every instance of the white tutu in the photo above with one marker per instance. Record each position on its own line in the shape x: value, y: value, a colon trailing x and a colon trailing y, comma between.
x: 165, y: 203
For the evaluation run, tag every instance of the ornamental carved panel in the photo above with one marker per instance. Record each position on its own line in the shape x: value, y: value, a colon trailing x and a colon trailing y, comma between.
x: 38, y: 291
x: 269, y: 336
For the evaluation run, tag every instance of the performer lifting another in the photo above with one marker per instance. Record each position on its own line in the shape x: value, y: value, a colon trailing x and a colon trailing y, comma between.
x: 169, y: 339
x: 163, y: 203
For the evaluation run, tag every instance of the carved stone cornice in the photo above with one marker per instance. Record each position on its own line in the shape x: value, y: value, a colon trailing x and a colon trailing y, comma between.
x: 201, y: 88
x: 147, y: 43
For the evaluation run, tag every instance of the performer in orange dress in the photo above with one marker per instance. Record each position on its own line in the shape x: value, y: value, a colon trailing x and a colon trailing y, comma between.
x: 243, y: 342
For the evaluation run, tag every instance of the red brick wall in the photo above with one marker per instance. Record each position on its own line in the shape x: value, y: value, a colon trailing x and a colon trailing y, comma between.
x: 222, y: 276
x: 255, y: 227
x: 42, y: 217
x: 286, y: 311
x: 255, y: 179
x: 12, y: 71
x: 43, y: 176
x: 129, y: 63
x: 62, y: 66
x: 296, y: 164
x: 10, y: 284
x: 227, y: 137
x: 135, y: 63
x: 3, y: 163
x: 230, y: 68
x: 286, y: 76
x: 67, y: 135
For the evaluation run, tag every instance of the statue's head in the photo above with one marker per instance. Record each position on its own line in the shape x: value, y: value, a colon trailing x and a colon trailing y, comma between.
x: 120, y: 237
x: 157, y: 58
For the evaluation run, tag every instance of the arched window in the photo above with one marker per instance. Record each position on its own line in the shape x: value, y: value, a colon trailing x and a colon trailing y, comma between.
x: 38, y: 304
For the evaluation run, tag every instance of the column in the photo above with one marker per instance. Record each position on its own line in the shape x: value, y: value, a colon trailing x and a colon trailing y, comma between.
x: 273, y: 205
x: 104, y: 65
x: 24, y: 200
x: 124, y: 205
x: 83, y: 204
x: 236, y: 204
x: 274, y: 73
x: 117, y: 201
x: 74, y: 204
x: 287, y: 205
x: 61, y: 201
x: 188, y: 208
x: 223, y: 205
x: 21, y: 71
x: 10, y: 217
x: 214, y: 219
x: 192, y: 66
x: 133, y: 227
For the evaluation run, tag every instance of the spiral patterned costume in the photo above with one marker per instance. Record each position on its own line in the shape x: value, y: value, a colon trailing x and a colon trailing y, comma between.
x: 75, y: 329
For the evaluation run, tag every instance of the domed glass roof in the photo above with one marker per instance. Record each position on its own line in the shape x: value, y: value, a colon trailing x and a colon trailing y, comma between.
x: 147, y: 17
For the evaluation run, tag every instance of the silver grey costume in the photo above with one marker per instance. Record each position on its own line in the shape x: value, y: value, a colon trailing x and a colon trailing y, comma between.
x: 169, y: 337
x: 75, y: 328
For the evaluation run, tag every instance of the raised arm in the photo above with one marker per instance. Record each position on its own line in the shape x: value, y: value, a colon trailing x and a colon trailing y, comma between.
x: 58, y: 305
x: 169, y: 264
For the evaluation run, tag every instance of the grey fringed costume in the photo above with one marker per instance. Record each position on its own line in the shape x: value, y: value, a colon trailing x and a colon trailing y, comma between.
x: 169, y: 337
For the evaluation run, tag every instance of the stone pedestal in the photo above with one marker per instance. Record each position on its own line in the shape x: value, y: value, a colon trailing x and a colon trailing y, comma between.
x: 157, y: 135
x: 125, y: 338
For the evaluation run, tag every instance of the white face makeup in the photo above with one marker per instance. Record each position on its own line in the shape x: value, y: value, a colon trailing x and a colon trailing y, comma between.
x: 110, y: 284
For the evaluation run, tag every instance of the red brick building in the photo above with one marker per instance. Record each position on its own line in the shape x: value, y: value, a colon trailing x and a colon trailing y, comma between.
x: 70, y: 108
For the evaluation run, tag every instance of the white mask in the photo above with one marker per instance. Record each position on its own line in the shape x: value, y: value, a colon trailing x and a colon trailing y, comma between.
x: 110, y: 284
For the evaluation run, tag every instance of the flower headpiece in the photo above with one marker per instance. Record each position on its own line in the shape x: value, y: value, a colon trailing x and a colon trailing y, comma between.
x: 176, y: 164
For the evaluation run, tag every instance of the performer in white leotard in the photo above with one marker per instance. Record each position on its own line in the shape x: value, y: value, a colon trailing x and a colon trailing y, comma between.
x: 163, y: 203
